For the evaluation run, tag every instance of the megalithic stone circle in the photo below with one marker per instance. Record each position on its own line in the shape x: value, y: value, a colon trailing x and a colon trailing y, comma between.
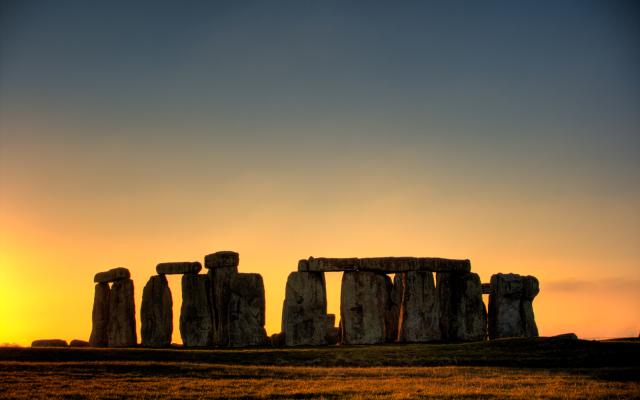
x: 196, y: 323
x: 156, y: 313
x: 100, y: 315
x: 121, y: 329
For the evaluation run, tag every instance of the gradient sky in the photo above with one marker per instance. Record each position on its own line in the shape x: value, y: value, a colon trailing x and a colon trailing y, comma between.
x: 503, y: 132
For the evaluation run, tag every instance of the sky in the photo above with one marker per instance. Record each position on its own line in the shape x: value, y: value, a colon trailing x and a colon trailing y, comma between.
x: 133, y: 133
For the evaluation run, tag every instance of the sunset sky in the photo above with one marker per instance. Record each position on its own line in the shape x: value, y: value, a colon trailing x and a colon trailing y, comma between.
x: 502, y: 132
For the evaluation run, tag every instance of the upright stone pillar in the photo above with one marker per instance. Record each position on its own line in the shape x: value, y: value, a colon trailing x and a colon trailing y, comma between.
x: 510, y: 306
x: 223, y: 267
x: 196, y: 325
x: 364, y: 307
x: 463, y: 315
x: 156, y: 313
x: 246, y: 311
x: 100, y: 315
x: 419, y: 317
x: 121, y: 329
x: 304, y: 313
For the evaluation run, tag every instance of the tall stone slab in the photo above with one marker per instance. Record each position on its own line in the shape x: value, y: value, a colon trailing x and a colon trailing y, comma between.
x: 304, y: 313
x: 364, y: 308
x: 196, y: 323
x: 223, y: 267
x: 156, y: 313
x: 510, y: 306
x: 463, y: 315
x: 100, y: 316
x: 121, y: 329
x: 246, y: 311
x: 419, y: 316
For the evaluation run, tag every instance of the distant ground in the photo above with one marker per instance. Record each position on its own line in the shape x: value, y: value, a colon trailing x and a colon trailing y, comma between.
x: 516, y: 368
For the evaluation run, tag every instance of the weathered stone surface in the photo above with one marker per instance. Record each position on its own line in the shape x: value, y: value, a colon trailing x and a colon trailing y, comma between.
x: 49, y: 343
x: 419, y: 316
x: 222, y: 259
x: 156, y: 313
x: 364, y: 307
x: 78, y: 343
x: 385, y: 265
x: 196, y: 323
x: 304, y: 313
x: 121, y: 329
x: 510, y: 306
x: 184, y: 267
x: 112, y: 275
x: 100, y: 315
x: 246, y: 310
x: 220, y: 281
x: 463, y: 315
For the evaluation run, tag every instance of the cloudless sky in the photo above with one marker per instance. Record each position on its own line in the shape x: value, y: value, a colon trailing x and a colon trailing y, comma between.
x: 133, y: 133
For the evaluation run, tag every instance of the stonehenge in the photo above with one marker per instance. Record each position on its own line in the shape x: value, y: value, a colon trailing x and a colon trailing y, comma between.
x: 382, y: 300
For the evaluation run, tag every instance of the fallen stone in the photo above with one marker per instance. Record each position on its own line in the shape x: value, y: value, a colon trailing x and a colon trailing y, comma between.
x: 196, y: 324
x: 112, y: 275
x: 364, y: 307
x: 178, y: 268
x: 78, y: 343
x: 121, y: 329
x: 463, y: 315
x: 156, y: 313
x: 419, y: 319
x: 565, y: 336
x: 49, y: 343
x: 247, y: 311
x: 385, y: 265
x: 222, y: 259
x: 100, y: 316
x: 220, y: 281
x: 304, y: 315
x: 510, y: 306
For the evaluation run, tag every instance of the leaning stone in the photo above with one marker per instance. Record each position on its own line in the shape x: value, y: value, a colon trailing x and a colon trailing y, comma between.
x: 178, y: 268
x: 78, y: 343
x: 510, y: 306
x: 419, y: 316
x: 112, y: 275
x: 121, y: 329
x: 156, y: 313
x: 100, y: 316
x: 196, y: 325
x: 220, y: 281
x: 49, y: 343
x: 222, y: 259
x: 304, y: 314
x: 247, y: 311
x: 364, y: 305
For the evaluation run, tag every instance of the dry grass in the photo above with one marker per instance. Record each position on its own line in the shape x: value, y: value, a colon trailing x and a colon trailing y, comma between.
x: 167, y: 380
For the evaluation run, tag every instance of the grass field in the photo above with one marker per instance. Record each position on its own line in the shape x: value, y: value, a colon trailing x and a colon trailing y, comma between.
x: 540, y: 368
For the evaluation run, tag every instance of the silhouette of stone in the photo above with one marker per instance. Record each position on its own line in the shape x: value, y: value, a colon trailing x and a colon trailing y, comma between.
x: 156, y: 313
x: 463, y: 315
x: 49, y: 343
x: 510, y: 306
x: 246, y: 311
x: 304, y: 314
x: 486, y: 288
x: 384, y: 264
x: 121, y: 329
x: 222, y: 259
x: 278, y: 340
x: 78, y: 343
x: 178, y: 268
x: 112, y: 275
x: 100, y: 316
x: 419, y: 319
x: 565, y: 336
x: 196, y: 324
x: 364, y: 308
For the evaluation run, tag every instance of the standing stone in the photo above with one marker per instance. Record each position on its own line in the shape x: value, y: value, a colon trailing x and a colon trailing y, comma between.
x: 121, y: 329
x: 463, y: 315
x: 196, y: 324
x: 100, y: 316
x: 304, y: 313
x: 510, y: 306
x: 419, y: 317
x: 247, y: 311
x: 156, y: 313
x: 364, y: 307
x: 223, y: 267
